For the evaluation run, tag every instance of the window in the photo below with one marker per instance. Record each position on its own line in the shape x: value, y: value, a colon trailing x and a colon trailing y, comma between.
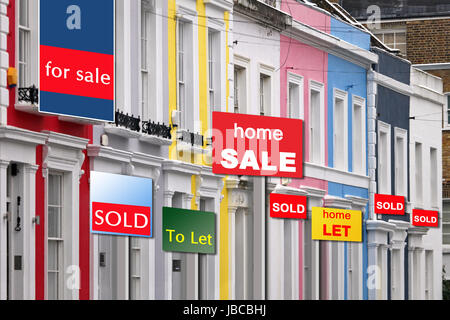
x: 24, y: 44
x: 395, y: 38
x: 244, y: 254
x: 264, y: 94
x: 384, y: 158
x: 400, y: 162
x: 316, y: 121
x: 213, y: 73
x: 448, y: 107
x: 240, y: 89
x: 135, y: 270
x: 340, y: 135
x: 55, y: 255
x: 145, y: 61
x: 418, y: 172
x: 433, y: 177
x: 359, y: 135
x: 428, y: 274
x: 181, y: 71
x: 295, y: 97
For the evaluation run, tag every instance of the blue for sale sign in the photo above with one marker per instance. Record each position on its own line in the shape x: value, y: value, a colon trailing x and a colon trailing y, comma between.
x: 76, y: 76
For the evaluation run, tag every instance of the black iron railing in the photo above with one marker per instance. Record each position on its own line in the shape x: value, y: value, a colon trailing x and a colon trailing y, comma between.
x: 189, y: 137
x: 30, y: 94
x: 157, y: 129
x: 148, y: 127
x: 129, y: 122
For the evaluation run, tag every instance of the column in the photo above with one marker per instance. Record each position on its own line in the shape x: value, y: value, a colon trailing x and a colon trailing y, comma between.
x: 3, y: 231
x: 28, y: 229
x: 168, y: 195
x: 191, y: 260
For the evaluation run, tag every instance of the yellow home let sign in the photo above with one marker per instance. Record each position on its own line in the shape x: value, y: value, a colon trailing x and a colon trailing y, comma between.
x: 336, y: 224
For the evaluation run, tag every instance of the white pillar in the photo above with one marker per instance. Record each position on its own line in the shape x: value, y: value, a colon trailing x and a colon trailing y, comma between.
x: 168, y: 195
x: 3, y: 231
x: 28, y: 229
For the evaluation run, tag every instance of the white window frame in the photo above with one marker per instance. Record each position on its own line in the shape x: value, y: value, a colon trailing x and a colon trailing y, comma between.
x: 317, y: 87
x: 380, y: 34
x: 135, y: 268
x: 402, y: 134
x: 186, y: 18
x: 59, y: 270
x: 359, y: 102
x: 242, y: 96
x: 147, y: 66
x: 434, y: 190
x: 214, y: 75
x: 387, y: 188
x: 267, y: 92
x: 297, y: 81
x: 32, y: 66
x: 338, y: 153
x: 418, y: 187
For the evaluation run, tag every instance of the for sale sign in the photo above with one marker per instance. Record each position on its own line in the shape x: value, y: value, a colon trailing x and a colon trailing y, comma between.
x: 336, y: 224
x: 425, y: 218
x: 387, y: 204
x: 287, y: 206
x: 76, y: 74
x: 257, y: 145
x: 121, y: 205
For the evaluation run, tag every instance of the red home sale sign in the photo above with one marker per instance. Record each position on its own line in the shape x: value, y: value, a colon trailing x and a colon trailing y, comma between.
x: 387, y: 204
x: 257, y: 145
x: 287, y: 206
x: 425, y: 218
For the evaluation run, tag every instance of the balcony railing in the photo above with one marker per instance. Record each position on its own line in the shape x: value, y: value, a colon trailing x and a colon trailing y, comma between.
x: 157, y: 129
x: 193, y: 139
x: 129, y: 122
x: 148, y: 127
x: 30, y: 95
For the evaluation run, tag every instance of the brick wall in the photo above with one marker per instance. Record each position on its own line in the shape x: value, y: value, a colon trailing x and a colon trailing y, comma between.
x: 428, y: 41
x: 446, y: 159
x: 444, y: 75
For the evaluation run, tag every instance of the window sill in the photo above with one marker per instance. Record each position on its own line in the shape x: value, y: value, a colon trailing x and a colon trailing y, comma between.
x: 121, y: 131
x: 27, y: 107
x: 155, y: 140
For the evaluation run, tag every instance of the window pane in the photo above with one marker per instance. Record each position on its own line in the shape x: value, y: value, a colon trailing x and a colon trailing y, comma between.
x: 389, y: 38
x: 52, y: 286
x: 400, y: 37
x: 52, y: 256
x: 54, y: 222
x: 54, y: 190
x: 23, y: 19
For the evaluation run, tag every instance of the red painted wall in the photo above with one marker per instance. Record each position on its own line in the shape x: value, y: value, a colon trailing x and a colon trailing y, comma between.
x: 52, y: 123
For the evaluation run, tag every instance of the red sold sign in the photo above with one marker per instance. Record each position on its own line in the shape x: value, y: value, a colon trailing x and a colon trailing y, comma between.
x: 257, y: 145
x: 425, y: 218
x: 121, y: 219
x: 287, y: 206
x: 387, y: 204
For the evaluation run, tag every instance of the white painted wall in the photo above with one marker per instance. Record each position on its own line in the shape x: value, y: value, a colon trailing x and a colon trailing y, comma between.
x: 426, y: 106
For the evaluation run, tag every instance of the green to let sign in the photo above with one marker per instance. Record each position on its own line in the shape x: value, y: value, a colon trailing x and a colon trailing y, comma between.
x: 189, y: 231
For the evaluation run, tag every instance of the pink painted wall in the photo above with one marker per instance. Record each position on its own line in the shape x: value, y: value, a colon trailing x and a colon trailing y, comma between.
x: 311, y: 64
x: 307, y: 15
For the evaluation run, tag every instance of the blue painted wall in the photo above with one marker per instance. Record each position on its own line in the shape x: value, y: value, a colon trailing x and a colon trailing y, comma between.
x: 351, y: 78
x: 350, y: 34
x: 341, y: 190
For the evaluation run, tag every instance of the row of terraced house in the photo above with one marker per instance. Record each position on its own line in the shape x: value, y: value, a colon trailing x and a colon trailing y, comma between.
x: 177, y: 61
